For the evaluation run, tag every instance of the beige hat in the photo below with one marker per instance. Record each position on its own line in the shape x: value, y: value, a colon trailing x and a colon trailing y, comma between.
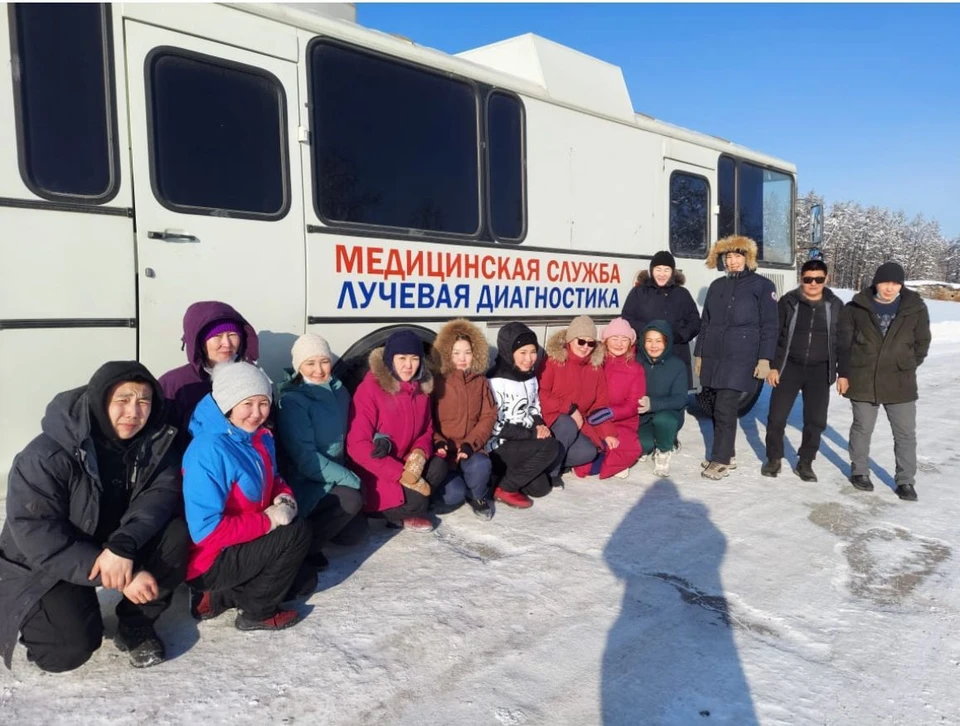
x: 308, y: 346
x: 581, y: 327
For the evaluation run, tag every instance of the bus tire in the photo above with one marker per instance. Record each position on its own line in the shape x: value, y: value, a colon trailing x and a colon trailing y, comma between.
x: 353, y: 364
x: 706, y: 396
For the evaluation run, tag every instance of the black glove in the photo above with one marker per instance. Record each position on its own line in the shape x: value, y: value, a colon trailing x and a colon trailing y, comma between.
x: 465, y: 448
x: 382, y: 446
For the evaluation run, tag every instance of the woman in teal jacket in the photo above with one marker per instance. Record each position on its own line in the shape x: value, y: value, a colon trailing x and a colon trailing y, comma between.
x: 662, y: 409
x: 312, y: 429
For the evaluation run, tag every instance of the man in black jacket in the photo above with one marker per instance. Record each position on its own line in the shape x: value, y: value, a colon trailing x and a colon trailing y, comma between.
x: 884, y: 336
x: 806, y: 360
x: 91, y: 502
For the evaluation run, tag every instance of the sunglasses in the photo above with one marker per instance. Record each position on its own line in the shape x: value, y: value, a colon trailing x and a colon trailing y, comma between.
x: 588, y: 343
x: 813, y: 280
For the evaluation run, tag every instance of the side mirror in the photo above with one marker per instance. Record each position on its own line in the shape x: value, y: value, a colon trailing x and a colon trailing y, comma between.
x: 816, y: 231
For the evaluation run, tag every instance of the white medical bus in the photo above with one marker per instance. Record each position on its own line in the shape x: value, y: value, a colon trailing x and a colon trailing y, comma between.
x: 323, y: 177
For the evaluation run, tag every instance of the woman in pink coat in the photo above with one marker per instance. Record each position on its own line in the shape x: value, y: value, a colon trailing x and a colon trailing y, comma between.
x: 626, y: 385
x: 390, y: 434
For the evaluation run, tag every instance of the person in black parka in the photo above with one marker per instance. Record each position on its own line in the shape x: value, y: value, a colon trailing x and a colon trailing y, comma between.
x: 738, y: 339
x: 805, y: 361
x: 91, y: 502
x: 659, y: 294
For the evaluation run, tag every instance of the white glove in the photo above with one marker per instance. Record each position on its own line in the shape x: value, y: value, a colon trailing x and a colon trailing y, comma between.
x: 286, y: 499
x: 280, y: 515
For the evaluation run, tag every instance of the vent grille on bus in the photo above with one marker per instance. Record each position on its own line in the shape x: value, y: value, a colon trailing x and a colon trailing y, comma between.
x: 778, y: 279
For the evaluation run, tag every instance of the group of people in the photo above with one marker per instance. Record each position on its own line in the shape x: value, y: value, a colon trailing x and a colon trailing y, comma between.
x: 205, y: 476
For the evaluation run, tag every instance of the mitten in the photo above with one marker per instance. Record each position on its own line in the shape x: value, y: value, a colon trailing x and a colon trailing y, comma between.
x: 280, y: 515
x: 600, y: 416
x: 382, y: 446
x: 762, y: 370
x: 417, y: 484
x: 287, y: 500
x: 697, y: 363
x: 415, y: 462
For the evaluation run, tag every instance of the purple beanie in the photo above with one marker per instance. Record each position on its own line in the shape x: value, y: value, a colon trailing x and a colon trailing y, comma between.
x: 219, y: 327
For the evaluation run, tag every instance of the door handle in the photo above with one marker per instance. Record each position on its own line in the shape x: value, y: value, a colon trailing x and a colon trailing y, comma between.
x: 173, y: 235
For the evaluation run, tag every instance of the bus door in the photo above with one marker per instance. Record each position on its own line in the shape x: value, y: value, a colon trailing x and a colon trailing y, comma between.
x: 216, y: 171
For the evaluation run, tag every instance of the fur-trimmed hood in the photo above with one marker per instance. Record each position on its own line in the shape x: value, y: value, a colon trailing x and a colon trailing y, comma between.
x: 386, y: 380
x: 734, y: 243
x: 447, y: 337
x: 558, y: 351
x: 644, y: 278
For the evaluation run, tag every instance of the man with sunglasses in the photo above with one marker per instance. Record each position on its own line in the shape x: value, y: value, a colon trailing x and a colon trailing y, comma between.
x: 805, y: 361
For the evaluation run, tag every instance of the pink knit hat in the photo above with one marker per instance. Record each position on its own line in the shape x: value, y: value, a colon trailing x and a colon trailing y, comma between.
x: 619, y: 326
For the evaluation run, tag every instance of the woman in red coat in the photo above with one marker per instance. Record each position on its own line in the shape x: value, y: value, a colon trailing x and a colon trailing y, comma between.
x: 573, y: 392
x: 626, y: 385
x: 390, y: 434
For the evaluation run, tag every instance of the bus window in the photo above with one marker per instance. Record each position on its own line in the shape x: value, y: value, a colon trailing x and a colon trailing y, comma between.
x: 727, y: 193
x: 394, y: 145
x: 765, y: 200
x: 689, y: 215
x: 217, y: 136
x: 505, y: 149
x: 64, y: 100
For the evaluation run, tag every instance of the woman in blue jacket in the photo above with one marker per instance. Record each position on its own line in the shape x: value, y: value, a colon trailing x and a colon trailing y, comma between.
x: 312, y: 429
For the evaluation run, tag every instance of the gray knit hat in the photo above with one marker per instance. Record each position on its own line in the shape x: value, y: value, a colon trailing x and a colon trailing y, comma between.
x: 236, y: 382
x: 581, y: 327
x: 308, y: 346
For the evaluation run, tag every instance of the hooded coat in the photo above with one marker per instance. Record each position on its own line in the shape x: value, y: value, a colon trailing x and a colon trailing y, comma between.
x: 312, y: 432
x: 186, y: 385
x: 883, y: 368
x: 626, y: 385
x: 648, y: 301
x: 739, y: 321
x: 55, y: 498
x: 568, y: 382
x: 382, y: 404
x: 516, y: 393
x: 229, y: 478
x: 666, y: 376
x: 463, y: 407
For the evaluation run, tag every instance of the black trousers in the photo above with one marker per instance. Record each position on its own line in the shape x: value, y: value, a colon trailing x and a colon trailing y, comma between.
x: 256, y: 576
x: 414, y: 503
x: 64, y: 628
x: 523, y: 466
x: 725, y: 425
x: 332, y: 515
x: 813, y: 382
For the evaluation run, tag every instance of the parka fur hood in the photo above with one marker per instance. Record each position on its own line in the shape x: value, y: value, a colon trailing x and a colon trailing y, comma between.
x: 447, y: 337
x: 644, y: 276
x: 735, y: 243
x: 386, y: 379
x: 558, y: 351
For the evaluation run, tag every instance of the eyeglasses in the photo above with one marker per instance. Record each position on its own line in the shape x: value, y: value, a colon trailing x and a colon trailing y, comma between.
x: 588, y: 343
x: 813, y: 280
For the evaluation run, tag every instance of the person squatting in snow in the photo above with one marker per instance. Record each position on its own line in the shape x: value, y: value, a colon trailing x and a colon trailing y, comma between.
x: 464, y: 414
x: 662, y: 408
x: 390, y: 434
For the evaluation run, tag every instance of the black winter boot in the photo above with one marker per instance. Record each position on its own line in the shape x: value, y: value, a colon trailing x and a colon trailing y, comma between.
x: 862, y: 482
x: 804, y: 470
x: 771, y: 467
x: 142, y: 644
x: 906, y: 492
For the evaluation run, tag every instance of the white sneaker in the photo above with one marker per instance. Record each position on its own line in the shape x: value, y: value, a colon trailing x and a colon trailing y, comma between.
x: 661, y: 462
x: 643, y: 459
x: 731, y: 466
x: 622, y: 474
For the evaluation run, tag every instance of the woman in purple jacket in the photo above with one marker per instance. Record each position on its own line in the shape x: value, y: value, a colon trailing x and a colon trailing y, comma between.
x: 213, y: 332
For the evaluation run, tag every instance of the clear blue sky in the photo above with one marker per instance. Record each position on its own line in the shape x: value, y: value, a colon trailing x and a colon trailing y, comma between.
x: 864, y: 99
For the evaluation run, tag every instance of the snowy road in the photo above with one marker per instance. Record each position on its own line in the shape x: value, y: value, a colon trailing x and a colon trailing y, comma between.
x: 677, y: 601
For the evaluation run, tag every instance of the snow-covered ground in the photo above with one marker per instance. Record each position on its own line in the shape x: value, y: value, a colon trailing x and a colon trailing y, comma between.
x: 676, y: 601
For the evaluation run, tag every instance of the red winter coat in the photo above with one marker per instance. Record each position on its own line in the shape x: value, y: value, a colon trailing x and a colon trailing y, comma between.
x: 384, y: 405
x: 626, y: 385
x: 568, y: 380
